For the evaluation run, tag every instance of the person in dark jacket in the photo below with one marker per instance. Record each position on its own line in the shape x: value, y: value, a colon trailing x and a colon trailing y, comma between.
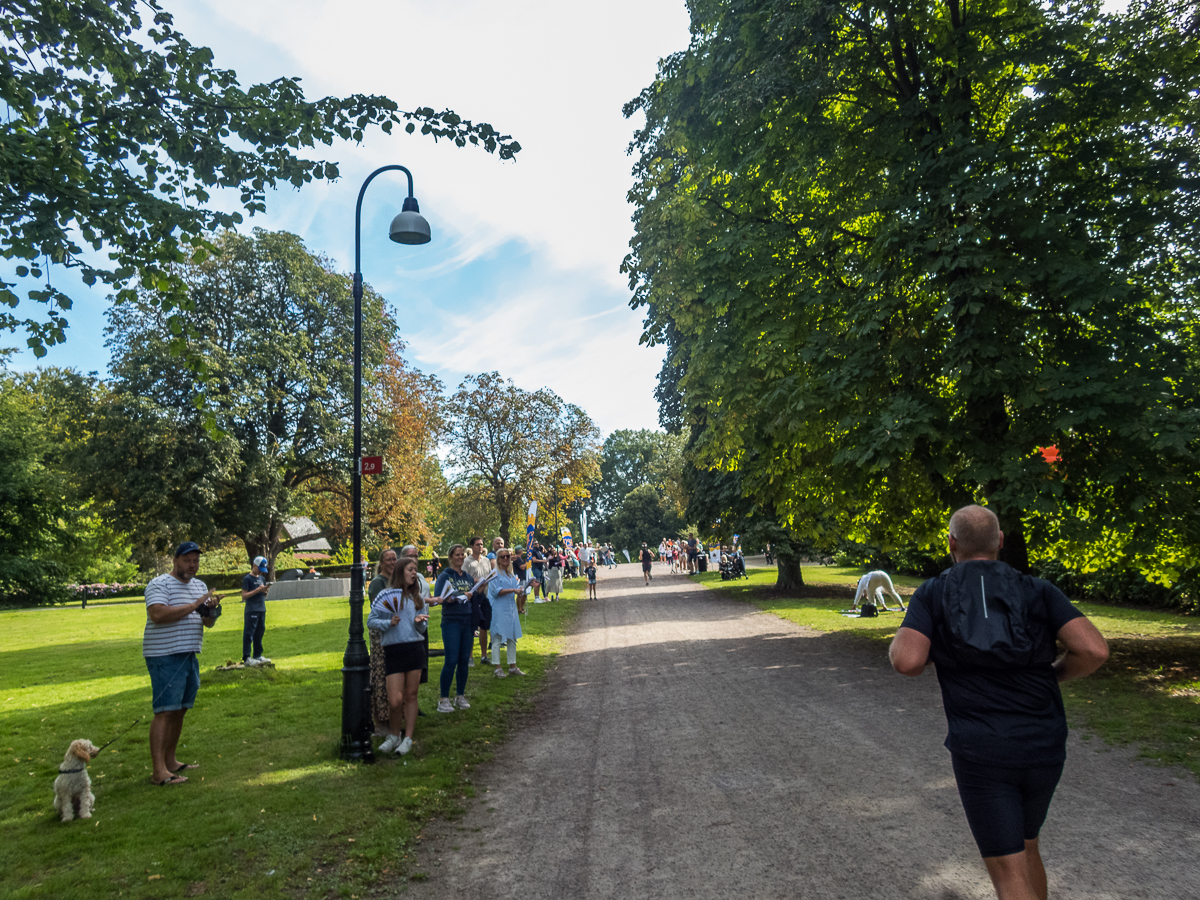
x: 453, y: 589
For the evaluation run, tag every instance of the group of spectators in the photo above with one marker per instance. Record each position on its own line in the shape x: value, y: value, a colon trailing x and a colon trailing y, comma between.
x: 683, y: 557
x: 481, y: 595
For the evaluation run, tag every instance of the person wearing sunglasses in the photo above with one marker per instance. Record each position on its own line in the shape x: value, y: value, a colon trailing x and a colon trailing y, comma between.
x: 503, y: 591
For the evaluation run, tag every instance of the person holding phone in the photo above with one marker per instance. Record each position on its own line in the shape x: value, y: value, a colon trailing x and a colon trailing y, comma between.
x: 179, y: 606
x: 400, y: 614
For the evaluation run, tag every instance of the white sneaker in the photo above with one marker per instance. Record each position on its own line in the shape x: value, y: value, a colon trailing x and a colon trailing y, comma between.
x: 404, y: 746
x: 471, y: 662
x: 389, y: 743
x: 264, y: 660
x: 500, y: 673
x: 444, y: 705
x: 251, y: 662
x: 461, y: 702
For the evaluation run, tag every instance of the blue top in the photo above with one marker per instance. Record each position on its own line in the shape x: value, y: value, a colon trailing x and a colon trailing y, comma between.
x: 257, y: 603
x: 406, y: 631
x: 506, y: 624
x: 457, y: 606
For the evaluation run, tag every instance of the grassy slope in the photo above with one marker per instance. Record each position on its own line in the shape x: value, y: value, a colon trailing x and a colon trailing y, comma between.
x: 1147, y: 694
x: 272, y: 807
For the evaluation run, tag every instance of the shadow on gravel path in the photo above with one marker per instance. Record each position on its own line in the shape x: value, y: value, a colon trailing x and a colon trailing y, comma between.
x: 690, y: 746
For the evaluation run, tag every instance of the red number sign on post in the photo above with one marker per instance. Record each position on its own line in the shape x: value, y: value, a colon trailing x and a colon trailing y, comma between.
x: 371, y: 465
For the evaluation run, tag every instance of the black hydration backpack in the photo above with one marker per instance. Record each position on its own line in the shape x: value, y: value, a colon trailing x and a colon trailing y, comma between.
x: 986, y: 617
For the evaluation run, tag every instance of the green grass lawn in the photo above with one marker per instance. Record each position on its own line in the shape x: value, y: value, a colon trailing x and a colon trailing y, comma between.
x: 1148, y: 693
x: 271, y: 809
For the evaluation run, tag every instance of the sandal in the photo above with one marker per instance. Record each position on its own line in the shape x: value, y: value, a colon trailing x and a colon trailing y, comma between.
x: 185, y: 766
x: 170, y: 779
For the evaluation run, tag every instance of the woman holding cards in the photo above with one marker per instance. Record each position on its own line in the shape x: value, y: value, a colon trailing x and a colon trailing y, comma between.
x: 506, y: 623
x: 453, y: 588
x: 401, y: 615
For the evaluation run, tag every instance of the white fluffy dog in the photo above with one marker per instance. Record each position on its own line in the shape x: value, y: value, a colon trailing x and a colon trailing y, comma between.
x: 873, y: 586
x: 72, y: 787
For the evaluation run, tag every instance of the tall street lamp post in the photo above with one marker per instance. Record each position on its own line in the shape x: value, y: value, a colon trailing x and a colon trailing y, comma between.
x: 409, y: 227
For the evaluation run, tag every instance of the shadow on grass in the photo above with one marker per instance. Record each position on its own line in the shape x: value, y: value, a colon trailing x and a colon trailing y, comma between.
x: 271, y: 807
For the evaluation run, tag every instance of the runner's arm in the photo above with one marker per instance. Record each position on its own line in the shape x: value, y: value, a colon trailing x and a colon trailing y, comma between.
x: 909, y: 652
x: 1086, y: 649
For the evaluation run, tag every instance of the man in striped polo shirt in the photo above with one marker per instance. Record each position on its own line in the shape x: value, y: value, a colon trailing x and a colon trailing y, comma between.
x: 178, y: 608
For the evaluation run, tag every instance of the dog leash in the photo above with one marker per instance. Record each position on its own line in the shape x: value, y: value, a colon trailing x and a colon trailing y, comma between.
x: 62, y: 771
x: 123, y: 733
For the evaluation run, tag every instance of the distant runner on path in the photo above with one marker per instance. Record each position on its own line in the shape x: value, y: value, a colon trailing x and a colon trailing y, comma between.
x: 647, y: 559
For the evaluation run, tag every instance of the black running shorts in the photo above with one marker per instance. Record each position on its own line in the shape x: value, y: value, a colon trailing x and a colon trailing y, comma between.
x: 1004, y: 807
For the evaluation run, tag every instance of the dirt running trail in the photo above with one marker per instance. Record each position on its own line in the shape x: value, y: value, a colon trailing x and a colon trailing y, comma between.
x: 689, y: 746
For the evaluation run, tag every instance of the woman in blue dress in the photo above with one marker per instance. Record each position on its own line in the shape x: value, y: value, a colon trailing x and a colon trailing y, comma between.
x: 503, y: 591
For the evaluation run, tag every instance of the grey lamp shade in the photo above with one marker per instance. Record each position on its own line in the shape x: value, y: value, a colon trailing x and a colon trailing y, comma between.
x: 410, y: 226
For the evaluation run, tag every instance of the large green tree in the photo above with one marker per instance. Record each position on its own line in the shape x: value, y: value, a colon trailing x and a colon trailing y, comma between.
x: 509, y: 446
x: 276, y: 336
x: 630, y: 458
x: 643, y: 517
x: 895, y: 249
x: 117, y: 132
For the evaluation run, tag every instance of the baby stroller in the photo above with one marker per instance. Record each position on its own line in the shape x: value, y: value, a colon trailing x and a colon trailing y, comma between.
x: 737, y: 566
x: 727, y: 569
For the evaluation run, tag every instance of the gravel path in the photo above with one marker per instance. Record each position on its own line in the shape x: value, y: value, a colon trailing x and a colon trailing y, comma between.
x: 690, y: 746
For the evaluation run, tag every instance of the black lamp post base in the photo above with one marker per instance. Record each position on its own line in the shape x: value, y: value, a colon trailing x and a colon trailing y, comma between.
x: 357, y: 750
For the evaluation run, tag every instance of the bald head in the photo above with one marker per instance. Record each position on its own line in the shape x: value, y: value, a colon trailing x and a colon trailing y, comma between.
x: 975, y: 534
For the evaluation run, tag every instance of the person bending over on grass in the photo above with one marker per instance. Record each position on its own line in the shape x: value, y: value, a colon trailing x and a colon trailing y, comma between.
x: 506, y: 622
x: 991, y: 633
x: 401, y: 615
x: 457, y: 628
x: 380, y: 710
x: 179, y: 607
x: 590, y: 571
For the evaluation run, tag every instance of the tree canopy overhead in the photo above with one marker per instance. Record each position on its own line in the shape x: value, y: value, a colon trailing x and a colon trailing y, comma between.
x: 894, y: 250
x: 117, y: 132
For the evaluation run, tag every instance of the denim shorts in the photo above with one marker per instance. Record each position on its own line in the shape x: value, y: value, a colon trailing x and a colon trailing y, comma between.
x: 174, y: 678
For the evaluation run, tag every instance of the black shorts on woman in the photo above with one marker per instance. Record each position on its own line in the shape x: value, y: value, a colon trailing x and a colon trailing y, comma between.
x: 406, y: 657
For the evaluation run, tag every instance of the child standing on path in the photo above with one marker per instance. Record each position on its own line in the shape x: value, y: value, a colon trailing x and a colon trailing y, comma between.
x: 590, y: 571
x: 506, y: 623
x: 399, y: 612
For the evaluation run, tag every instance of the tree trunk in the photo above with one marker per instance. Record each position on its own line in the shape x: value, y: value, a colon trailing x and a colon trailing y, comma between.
x: 258, y: 545
x: 790, y: 577
x: 1014, y: 552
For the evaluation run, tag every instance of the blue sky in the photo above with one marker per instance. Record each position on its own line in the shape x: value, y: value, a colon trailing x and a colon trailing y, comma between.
x: 522, y: 273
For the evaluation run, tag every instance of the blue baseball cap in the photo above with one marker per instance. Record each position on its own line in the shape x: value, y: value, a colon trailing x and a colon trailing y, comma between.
x: 187, y: 547
x: 260, y: 563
